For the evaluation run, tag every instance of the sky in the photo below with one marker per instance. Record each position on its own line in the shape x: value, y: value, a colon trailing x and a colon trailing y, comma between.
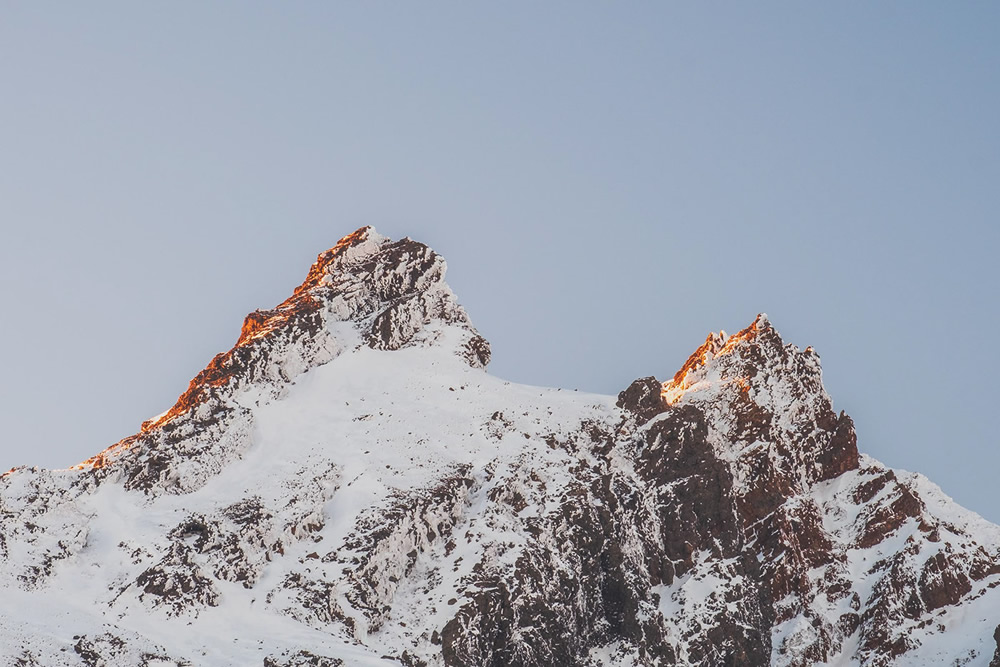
x: 608, y: 181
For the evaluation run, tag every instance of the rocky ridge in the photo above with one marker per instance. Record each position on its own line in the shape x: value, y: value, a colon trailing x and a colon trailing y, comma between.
x: 347, y: 485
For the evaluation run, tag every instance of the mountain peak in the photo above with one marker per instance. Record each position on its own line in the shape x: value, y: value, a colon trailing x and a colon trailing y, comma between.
x: 317, y: 498
x: 366, y: 290
x: 391, y: 292
x: 768, y: 409
x: 357, y: 245
x: 696, y: 373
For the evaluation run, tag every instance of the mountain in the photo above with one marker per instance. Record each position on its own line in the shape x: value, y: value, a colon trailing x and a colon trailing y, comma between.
x: 348, y: 486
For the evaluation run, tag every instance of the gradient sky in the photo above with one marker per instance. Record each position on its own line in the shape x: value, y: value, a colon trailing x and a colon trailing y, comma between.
x: 608, y: 182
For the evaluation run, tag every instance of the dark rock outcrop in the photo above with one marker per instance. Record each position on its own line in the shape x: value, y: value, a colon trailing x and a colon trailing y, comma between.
x: 434, y: 516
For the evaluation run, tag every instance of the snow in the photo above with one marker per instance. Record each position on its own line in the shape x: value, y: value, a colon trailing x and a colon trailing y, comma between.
x: 361, y: 421
x: 269, y: 532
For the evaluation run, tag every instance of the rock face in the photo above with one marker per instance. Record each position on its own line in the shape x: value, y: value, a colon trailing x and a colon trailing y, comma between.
x: 348, y: 486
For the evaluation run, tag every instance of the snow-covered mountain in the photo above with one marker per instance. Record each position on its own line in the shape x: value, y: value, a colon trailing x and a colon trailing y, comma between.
x: 348, y: 486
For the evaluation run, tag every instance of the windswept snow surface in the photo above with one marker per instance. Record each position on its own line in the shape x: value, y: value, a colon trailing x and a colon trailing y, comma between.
x: 367, y: 427
x: 349, y: 486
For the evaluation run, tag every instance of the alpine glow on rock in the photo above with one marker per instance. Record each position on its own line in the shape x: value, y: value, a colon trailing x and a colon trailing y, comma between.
x: 348, y: 486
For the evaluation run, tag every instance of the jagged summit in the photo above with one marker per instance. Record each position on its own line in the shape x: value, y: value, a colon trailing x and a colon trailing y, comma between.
x: 696, y: 370
x: 758, y: 389
x: 367, y: 289
x: 346, y: 486
x: 771, y: 418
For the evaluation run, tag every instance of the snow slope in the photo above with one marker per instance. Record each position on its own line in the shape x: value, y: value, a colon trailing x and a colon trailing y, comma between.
x: 348, y: 485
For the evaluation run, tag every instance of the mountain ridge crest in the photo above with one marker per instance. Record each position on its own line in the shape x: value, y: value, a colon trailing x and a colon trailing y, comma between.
x: 347, y: 483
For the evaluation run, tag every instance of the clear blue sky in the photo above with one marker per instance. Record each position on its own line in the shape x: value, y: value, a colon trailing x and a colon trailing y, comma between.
x: 608, y: 182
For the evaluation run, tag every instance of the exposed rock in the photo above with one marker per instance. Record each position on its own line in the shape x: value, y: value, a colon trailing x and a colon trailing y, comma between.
x: 302, y: 659
x: 389, y: 291
x: 643, y: 399
x: 346, y: 486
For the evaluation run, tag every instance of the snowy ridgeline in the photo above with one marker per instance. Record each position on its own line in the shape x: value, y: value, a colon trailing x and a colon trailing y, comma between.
x: 349, y: 486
